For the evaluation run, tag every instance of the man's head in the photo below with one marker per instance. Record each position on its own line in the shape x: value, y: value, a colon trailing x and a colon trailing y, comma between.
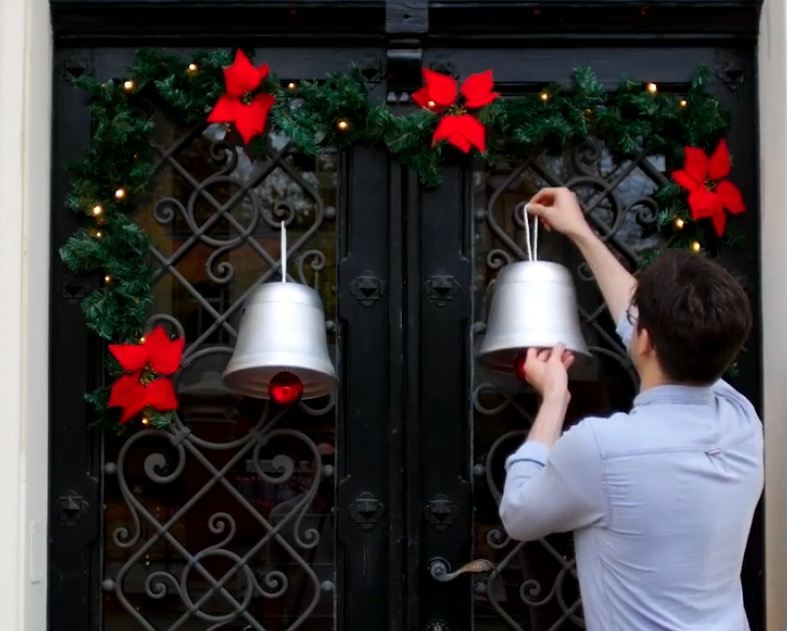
x: 690, y: 317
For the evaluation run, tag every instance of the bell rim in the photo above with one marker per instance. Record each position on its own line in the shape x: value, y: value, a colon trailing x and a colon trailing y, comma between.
x: 242, y: 381
x: 501, y: 360
x: 489, y: 356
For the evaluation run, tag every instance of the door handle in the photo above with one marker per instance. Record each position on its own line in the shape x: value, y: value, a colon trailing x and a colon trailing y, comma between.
x: 440, y: 569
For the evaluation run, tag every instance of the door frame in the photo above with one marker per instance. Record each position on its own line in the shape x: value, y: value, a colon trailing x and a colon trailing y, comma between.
x: 75, y: 27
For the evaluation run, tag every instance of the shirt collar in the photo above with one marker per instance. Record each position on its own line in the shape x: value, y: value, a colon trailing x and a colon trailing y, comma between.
x: 682, y: 395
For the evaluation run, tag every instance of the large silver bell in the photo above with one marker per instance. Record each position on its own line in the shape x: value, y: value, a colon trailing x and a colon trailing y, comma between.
x: 282, y: 330
x: 533, y: 305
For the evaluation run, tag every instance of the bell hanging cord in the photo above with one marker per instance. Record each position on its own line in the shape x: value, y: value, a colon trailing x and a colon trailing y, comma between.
x: 283, y: 254
x: 532, y: 250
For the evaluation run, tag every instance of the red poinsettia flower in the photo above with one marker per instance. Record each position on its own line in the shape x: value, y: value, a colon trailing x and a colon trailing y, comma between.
x: 157, y: 355
x: 709, y: 191
x: 442, y: 95
x: 248, y: 112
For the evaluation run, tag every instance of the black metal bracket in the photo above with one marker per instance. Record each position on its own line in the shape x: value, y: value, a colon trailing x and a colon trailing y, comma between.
x: 367, y: 288
x: 405, y: 59
x: 367, y: 510
x: 440, y: 512
x: 732, y: 74
x: 406, y: 24
x: 71, y: 507
x: 372, y: 69
x: 73, y: 288
x: 445, y: 67
x: 77, y: 65
x: 441, y: 289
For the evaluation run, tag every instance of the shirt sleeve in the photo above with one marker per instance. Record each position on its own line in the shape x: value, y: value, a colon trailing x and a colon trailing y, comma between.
x: 554, y: 491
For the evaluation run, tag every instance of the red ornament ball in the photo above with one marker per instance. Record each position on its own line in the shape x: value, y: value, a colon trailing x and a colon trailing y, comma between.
x: 285, y: 388
x: 519, y: 367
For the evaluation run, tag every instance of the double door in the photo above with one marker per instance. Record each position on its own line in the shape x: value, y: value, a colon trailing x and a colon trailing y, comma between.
x: 345, y: 513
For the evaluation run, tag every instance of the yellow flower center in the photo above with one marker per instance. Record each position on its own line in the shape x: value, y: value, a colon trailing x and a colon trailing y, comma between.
x: 148, y: 376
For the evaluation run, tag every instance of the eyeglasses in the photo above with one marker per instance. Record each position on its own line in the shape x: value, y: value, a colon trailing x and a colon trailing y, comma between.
x: 631, y: 316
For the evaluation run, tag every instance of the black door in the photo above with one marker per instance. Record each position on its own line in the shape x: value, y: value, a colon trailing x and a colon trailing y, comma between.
x: 344, y: 513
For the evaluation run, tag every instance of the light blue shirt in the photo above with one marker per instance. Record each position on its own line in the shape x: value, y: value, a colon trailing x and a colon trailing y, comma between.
x: 660, y: 500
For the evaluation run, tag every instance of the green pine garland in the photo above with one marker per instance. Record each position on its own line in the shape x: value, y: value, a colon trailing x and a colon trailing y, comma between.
x: 334, y: 114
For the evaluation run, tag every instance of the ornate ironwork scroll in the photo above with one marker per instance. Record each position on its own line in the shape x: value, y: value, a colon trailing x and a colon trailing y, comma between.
x: 225, y: 519
x: 534, y: 586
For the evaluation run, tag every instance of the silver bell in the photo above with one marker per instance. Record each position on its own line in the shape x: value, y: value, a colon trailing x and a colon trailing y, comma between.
x: 534, y: 305
x: 282, y: 329
x: 282, y: 334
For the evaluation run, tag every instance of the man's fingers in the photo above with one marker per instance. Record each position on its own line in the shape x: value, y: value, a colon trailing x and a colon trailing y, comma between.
x: 545, y: 195
x: 557, y: 351
x: 568, y: 359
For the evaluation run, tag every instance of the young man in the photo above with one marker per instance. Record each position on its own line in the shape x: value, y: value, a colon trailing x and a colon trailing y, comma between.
x: 661, y: 499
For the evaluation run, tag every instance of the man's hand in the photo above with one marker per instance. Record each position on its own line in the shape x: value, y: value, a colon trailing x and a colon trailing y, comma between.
x: 547, y: 370
x: 559, y: 210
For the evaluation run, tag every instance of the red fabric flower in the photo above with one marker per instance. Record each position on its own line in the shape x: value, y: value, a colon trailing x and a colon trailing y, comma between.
x: 442, y: 95
x: 141, y: 387
x: 239, y: 106
x: 709, y: 191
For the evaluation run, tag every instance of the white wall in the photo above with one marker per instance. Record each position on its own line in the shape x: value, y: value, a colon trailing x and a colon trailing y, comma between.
x: 773, y: 218
x: 25, y: 109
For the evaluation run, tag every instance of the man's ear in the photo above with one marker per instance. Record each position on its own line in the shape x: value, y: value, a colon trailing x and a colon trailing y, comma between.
x: 644, y: 343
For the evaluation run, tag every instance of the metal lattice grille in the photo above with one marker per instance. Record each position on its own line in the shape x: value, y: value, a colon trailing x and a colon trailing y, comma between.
x: 534, y: 586
x: 225, y: 519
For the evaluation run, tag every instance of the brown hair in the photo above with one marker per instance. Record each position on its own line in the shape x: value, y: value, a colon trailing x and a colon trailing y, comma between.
x: 697, y: 315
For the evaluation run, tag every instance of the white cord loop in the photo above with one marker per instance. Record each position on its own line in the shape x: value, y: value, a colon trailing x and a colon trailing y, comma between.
x: 532, y: 250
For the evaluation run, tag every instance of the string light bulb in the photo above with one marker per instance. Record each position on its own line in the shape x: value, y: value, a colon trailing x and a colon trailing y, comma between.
x: 291, y: 85
x: 343, y: 125
x: 679, y: 223
x: 128, y: 85
x: 545, y: 96
x: 695, y: 247
x: 142, y: 340
x: 98, y: 234
x: 146, y: 421
x: 652, y: 88
x: 107, y: 279
x: 98, y: 209
x: 193, y: 68
x: 120, y: 193
x: 431, y: 105
x: 683, y: 102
